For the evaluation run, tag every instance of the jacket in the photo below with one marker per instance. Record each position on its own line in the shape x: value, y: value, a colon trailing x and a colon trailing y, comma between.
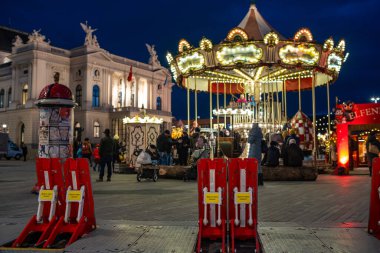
x: 164, y: 143
x: 293, y: 155
x: 273, y: 157
x: 106, y: 147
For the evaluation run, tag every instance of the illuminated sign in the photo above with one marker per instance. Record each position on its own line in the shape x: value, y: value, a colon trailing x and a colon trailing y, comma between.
x: 299, y: 54
x: 334, y: 62
x: 194, y: 61
x: 248, y: 54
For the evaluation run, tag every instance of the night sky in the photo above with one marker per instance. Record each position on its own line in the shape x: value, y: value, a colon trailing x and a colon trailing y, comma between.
x: 125, y: 26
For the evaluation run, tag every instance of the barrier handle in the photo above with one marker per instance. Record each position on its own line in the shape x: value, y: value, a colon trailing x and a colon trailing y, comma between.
x: 250, y: 220
x: 219, y: 220
x: 40, y: 206
x: 205, y: 221
x: 68, y: 205
x: 81, y: 203
x: 53, y: 202
x: 236, y: 207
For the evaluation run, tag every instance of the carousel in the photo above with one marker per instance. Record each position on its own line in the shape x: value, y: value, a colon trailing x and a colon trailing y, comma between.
x: 257, y: 66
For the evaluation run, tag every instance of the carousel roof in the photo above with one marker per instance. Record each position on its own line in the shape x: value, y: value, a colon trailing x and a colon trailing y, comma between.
x: 255, y: 25
x: 254, y: 57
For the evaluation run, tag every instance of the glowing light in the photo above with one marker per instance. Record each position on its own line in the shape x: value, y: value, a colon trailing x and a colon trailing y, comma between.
x: 169, y: 58
x: 341, y: 46
x: 328, y: 45
x: 205, y: 44
x: 303, y: 33
x: 192, y: 61
x: 183, y: 45
x: 334, y: 62
x: 146, y: 119
x: 343, y: 160
x: 271, y: 39
x: 299, y: 54
x: 237, y: 34
x: 248, y: 54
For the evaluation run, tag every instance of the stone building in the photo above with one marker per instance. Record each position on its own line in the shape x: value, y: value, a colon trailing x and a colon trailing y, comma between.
x: 106, y: 87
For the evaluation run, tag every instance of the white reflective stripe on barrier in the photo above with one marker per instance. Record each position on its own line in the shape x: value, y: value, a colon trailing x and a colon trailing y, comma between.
x: 81, y: 204
x: 250, y: 220
x: 53, y: 203
x: 47, y: 182
x: 243, y: 182
x: 68, y: 206
x: 212, y: 206
x: 74, y: 179
x: 219, y: 221
x: 205, y: 221
x: 236, y: 206
x: 40, y: 206
x: 47, y: 196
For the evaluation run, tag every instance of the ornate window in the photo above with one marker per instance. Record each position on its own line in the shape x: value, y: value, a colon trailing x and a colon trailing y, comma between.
x: 78, y: 95
x: 9, y: 96
x: 95, y: 96
x: 158, y: 103
x: 24, y: 94
x: 2, y: 92
x: 96, y: 129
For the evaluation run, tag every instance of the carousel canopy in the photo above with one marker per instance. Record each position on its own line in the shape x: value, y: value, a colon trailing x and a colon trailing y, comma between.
x: 254, y: 58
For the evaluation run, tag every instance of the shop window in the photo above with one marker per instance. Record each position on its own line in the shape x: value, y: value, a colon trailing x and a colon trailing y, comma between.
x: 24, y: 94
x: 78, y: 95
x: 9, y: 96
x: 96, y: 129
x: 95, y: 96
x: 2, y: 98
x: 158, y: 103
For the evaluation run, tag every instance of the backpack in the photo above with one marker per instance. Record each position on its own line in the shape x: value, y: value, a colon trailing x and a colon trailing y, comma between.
x: 86, y: 149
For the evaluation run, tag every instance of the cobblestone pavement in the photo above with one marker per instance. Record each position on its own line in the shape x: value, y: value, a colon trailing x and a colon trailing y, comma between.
x: 329, y: 202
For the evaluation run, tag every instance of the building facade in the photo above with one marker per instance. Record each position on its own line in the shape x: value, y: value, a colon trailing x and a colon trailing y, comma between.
x: 106, y: 87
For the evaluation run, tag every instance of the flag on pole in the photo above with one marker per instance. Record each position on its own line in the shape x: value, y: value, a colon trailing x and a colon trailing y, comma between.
x: 130, y: 75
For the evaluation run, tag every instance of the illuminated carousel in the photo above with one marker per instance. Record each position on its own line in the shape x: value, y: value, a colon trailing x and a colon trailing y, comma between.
x: 258, y: 66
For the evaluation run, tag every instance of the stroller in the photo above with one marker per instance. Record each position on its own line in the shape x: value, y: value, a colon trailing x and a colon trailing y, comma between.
x: 147, y: 164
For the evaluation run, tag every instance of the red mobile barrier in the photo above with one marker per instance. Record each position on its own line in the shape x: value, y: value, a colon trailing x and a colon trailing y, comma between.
x: 374, y: 205
x: 242, y: 183
x: 50, y: 207
x: 212, y: 184
x: 79, y: 216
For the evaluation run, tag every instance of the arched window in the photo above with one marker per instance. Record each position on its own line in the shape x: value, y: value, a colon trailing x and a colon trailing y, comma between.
x: 9, y: 96
x: 96, y: 129
x: 95, y: 96
x: 2, y: 92
x: 78, y: 95
x: 24, y: 94
x: 158, y: 103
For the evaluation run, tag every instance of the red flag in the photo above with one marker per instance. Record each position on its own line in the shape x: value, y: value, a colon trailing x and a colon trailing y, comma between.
x: 130, y: 75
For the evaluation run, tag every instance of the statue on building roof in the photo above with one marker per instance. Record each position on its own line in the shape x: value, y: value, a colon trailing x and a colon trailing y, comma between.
x: 18, y: 41
x: 36, y: 36
x: 153, y: 60
x: 89, y: 39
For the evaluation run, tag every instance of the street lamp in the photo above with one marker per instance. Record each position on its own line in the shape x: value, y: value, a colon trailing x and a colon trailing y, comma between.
x: 375, y: 99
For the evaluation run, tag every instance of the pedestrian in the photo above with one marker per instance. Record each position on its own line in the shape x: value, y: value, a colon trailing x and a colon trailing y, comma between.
x: 79, y: 150
x: 106, y: 155
x: 194, y: 138
x: 293, y: 156
x: 373, y: 149
x: 183, y: 148
x: 273, y: 155
x: 87, y: 150
x: 116, y: 151
x: 164, y: 144
x: 96, y: 157
x: 254, y: 139
x: 24, y: 150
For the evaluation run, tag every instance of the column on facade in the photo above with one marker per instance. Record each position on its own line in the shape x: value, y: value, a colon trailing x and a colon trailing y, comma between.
x: 136, y: 81
x: 30, y: 86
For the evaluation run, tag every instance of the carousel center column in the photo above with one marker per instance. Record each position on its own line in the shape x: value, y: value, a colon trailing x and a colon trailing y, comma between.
x: 56, y: 121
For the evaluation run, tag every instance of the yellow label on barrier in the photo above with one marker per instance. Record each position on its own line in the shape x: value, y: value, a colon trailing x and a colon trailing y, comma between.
x: 243, y: 198
x: 46, y: 195
x: 74, y: 195
x: 212, y: 198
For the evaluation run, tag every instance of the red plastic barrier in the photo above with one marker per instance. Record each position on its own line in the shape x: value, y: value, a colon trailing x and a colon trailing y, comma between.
x: 242, y: 193
x: 212, y: 202
x: 79, y: 216
x: 374, y: 208
x: 51, y: 204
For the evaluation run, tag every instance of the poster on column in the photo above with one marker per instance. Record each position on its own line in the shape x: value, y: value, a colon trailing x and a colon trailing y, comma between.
x: 55, y: 133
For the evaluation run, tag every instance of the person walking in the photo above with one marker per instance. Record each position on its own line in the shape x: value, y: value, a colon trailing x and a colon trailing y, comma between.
x: 373, y: 149
x: 164, y: 147
x: 24, y: 151
x: 106, y: 155
x: 87, y: 150
x: 96, y: 156
x: 183, y: 148
x: 254, y: 139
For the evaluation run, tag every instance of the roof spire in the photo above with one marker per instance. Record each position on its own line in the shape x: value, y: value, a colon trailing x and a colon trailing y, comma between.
x: 253, y: 2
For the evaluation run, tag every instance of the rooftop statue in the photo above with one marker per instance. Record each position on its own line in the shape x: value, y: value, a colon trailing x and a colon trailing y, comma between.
x: 89, y: 39
x: 18, y: 41
x: 153, y: 60
x: 36, y: 36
